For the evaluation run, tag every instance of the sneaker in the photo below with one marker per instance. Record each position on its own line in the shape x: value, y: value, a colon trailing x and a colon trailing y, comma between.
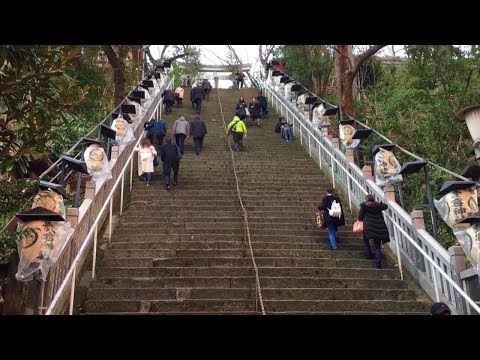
x: 147, y: 184
x: 167, y: 187
x: 197, y: 152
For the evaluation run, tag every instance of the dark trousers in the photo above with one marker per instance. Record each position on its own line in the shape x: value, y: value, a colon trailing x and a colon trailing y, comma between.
x: 205, y: 94
x: 198, y: 105
x: 167, y: 170
x: 156, y: 139
x: 240, y: 83
x: 237, y: 141
x: 378, y: 249
x: 180, y: 141
x: 198, y: 143
x: 168, y: 106
x: 264, y: 111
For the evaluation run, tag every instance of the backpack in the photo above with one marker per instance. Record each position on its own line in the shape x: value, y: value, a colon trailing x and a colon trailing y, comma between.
x: 234, y: 127
x: 335, y: 210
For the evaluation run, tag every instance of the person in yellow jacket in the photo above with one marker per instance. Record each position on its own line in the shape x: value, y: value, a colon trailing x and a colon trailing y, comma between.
x: 239, y: 132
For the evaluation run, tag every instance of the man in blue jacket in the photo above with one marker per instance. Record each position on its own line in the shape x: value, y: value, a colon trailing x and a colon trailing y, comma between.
x: 156, y: 130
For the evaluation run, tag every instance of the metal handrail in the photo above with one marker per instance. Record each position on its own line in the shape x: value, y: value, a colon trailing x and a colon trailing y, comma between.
x: 69, y: 152
x: 364, y: 190
x: 458, y: 176
x: 71, y: 274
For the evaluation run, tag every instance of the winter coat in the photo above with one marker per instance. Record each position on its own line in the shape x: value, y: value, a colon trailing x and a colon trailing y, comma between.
x: 198, y: 129
x: 170, y: 155
x: 179, y: 91
x: 326, y: 205
x: 240, y: 109
x: 168, y: 95
x: 262, y: 100
x: 181, y: 126
x: 156, y: 127
x: 196, y: 93
x: 240, y: 128
x: 374, y: 226
x: 145, y: 165
x: 254, y: 109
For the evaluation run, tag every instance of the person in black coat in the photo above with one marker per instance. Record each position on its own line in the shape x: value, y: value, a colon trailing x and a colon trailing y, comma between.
x: 240, y: 108
x: 170, y: 155
x: 168, y: 99
x: 254, y: 108
x: 262, y: 100
x: 374, y: 227
x: 196, y: 96
x: 198, y: 130
x: 332, y: 222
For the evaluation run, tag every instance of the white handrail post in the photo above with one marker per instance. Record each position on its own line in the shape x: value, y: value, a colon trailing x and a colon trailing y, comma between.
x: 94, y: 261
x: 72, y: 290
x: 434, y: 277
x: 309, y: 146
x: 399, y: 258
x: 131, y: 173
x: 121, y: 194
x: 110, y: 220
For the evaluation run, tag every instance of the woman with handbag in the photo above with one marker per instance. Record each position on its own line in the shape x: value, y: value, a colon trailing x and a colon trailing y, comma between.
x: 374, y: 227
x: 332, y: 220
x: 146, y: 154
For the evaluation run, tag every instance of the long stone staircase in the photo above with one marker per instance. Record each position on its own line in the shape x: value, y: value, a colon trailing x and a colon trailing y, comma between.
x: 183, y: 251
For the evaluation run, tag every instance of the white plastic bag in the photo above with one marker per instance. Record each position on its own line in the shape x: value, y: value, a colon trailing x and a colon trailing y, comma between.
x: 457, y: 205
x: 40, y: 247
x: 386, y: 168
x: 50, y: 200
x: 97, y: 163
x: 124, y: 131
x: 346, y: 136
x: 470, y: 243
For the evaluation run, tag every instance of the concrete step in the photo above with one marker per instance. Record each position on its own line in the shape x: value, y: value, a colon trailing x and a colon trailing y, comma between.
x: 225, y: 306
x: 248, y: 282
x: 334, y: 273
x: 172, y: 245
x: 238, y: 253
x: 149, y: 262
x: 250, y: 294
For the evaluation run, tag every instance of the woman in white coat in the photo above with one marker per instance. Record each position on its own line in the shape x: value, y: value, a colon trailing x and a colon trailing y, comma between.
x: 146, y: 152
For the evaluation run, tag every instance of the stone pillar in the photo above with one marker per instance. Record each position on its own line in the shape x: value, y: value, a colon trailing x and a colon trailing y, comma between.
x: 350, y: 155
x: 457, y: 257
x: 335, y: 143
x: 114, y: 152
x: 418, y: 223
x: 90, y: 190
x: 72, y: 216
x: 367, y: 172
x: 417, y: 219
x: 389, y: 192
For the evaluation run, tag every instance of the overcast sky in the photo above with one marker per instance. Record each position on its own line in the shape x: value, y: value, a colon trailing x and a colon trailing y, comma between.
x: 248, y: 53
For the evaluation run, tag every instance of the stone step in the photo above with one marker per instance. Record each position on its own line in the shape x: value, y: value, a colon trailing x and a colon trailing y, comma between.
x: 227, y: 305
x: 294, y: 253
x: 236, y: 223
x: 299, y: 272
x: 248, y: 282
x: 149, y: 262
x: 345, y: 239
x: 162, y: 245
x: 249, y: 294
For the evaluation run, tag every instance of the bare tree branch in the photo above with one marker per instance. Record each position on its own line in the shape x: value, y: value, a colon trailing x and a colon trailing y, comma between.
x: 364, y: 56
x: 163, y: 51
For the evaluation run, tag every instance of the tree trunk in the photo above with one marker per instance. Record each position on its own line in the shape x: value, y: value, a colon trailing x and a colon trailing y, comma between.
x: 118, y: 66
x: 346, y: 70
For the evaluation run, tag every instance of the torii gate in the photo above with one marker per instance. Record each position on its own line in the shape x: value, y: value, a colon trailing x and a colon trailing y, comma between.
x: 215, y: 69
